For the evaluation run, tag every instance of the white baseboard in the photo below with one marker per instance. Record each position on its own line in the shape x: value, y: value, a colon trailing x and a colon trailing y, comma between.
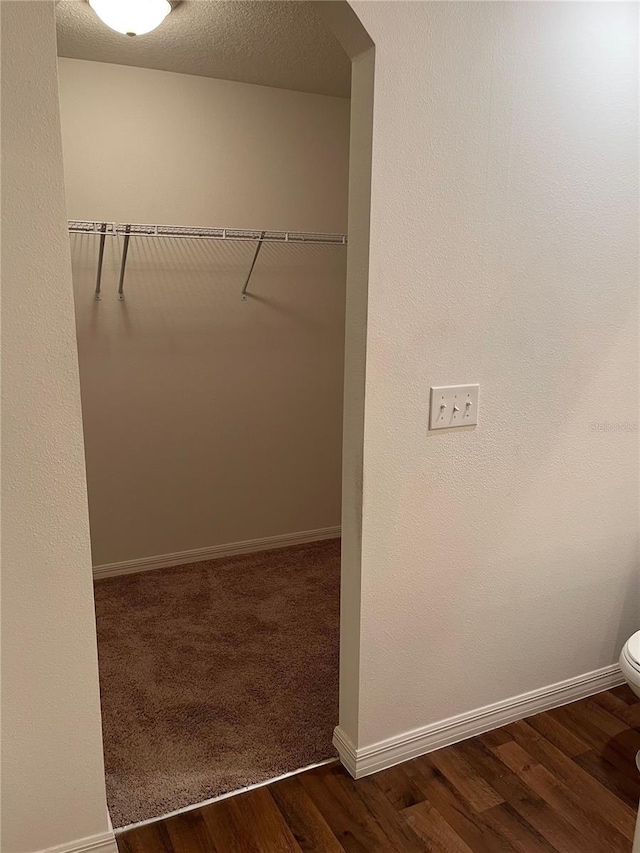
x: 163, y: 561
x: 104, y: 842
x: 378, y: 756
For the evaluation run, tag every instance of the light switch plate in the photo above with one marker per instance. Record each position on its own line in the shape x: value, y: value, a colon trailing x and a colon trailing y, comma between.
x: 454, y: 406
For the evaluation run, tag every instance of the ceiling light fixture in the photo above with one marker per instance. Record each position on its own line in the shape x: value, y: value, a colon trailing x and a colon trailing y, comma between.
x: 131, y: 17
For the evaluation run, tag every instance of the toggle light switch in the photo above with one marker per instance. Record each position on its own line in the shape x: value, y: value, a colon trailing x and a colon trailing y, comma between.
x: 454, y: 405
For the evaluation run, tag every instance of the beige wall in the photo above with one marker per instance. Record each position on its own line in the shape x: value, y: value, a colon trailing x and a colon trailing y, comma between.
x: 362, y: 78
x: 503, y: 250
x: 208, y: 420
x: 504, y: 216
x: 52, y: 772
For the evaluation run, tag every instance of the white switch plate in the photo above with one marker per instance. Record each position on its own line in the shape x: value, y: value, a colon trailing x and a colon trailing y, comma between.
x: 453, y: 406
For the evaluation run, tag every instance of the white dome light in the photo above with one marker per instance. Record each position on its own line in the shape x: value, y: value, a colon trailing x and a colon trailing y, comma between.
x: 131, y: 17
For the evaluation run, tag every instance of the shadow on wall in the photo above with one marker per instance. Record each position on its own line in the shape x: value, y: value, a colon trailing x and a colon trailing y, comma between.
x: 242, y: 401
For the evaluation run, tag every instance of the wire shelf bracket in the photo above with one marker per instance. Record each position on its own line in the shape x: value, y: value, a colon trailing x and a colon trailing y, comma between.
x: 253, y: 263
x: 103, y: 234
x: 125, y: 250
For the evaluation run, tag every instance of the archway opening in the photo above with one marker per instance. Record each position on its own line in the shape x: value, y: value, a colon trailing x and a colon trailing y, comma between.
x: 214, y: 283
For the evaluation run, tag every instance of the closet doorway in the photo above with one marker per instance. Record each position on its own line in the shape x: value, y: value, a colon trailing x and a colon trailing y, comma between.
x: 208, y: 229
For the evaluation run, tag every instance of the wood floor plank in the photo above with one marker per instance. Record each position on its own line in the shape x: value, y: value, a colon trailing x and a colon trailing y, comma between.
x: 547, y: 821
x: 551, y: 825
x: 625, y: 693
x: 309, y: 828
x: 589, y: 732
x: 399, y: 789
x: 151, y: 838
x: 390, y: 823
x: 496, y: 737
x: 258, y: 810
x: 452, y: 763
x: 597, y: 716
x: 249, y: 823
x: 226, y: 828
x: 622, y: 750
x: 605, y: 734
x: 594, y: 795
x: 629, y: 714
x: 632, y: 716
x: 455, y: 811
x: 565, y: 739
x: 188, y: 833
x: 626, y: 786
x: 515, y: 830
x: 428, y: 824
x: 623, y: 733
x: 355, y: 827
x: 593, y: 833
x: 395, y: 824
x: 610, y: 702
x: 502, y: 779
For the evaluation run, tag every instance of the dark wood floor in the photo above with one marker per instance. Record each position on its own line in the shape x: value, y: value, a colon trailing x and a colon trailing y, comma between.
x: 562, y: 781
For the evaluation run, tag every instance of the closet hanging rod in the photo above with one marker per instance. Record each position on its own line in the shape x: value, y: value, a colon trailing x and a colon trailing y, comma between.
x: 96, y: 293
x: 243, y: 235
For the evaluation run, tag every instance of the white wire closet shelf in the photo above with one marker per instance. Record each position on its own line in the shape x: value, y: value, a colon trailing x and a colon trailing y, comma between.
x: 243, y: 235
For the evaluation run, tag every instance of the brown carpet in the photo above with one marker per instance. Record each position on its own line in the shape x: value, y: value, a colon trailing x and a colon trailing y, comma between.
x: 216, y: 675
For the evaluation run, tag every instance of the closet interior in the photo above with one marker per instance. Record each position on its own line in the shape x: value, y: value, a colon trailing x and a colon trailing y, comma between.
x: 211, y: 352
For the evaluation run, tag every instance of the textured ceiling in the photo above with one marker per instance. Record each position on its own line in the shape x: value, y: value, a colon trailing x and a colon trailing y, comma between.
x: 282, y: 44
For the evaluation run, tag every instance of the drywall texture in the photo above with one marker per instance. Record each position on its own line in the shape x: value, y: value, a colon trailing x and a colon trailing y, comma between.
x: 52, y: 771
x: 266, y: 42
x: 354, y: 375
x: 208, y: 420
x: 503, y: 250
